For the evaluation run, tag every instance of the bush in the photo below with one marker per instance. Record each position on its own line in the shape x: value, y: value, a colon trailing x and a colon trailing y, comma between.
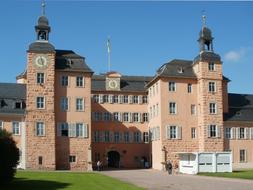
x: 9, y: 157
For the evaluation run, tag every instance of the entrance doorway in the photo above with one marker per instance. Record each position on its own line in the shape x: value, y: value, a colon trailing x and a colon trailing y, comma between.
x: 113, y: 159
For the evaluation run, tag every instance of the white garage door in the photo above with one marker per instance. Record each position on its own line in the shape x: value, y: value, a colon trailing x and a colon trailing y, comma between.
x: 223, y: 162
x: 205, y: 162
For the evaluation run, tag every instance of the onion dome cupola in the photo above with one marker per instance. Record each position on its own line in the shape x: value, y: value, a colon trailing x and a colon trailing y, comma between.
x: 205, y: 37
x: 42, y: 29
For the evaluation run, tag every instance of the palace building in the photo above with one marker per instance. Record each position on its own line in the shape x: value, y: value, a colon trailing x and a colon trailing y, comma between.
x: 65, y: 117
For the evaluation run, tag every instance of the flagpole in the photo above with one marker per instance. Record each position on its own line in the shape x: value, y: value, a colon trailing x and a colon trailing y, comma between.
x: 109, y: 53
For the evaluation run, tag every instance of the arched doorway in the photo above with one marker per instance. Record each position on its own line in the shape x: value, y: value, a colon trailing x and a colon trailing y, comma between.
x: 113, y: 159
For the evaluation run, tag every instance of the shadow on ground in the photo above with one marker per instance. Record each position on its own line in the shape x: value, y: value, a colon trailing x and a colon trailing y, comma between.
x: 24, y: 184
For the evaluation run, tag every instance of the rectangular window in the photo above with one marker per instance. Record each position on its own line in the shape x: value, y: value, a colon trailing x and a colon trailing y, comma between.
x: 40, y: 102
x: 125, y: 117
x: 144, y: 99
x: 107, y: 136
x: 172, y: 108
x: 172, y: 86
x: 64, y: 104
x: 126, y: 137
x: 212, y: 87
x: 193, y: 109
x: 40, y: 160
x: 116, y: 137
x: 212, y: 131
x: 40, y: 78
x: 193, y: 133
x: 116, y: 116
x: 211, y: 66
x: 189, y: 88
x: 242, y: 134
x: 64, y: 128
x: 135, y: 117
x: 79, y: 81
x: 40, y: 129
x: 243, y: 155
x: 72, y: 158
x: 79, y: 130
x: 15, y: 128
x: 106, y: 98
x: 145, y: 117
x: 79, y: 104
x: 228, y: 133
x: 64, y: 80
x: 135, y: 99
x: 107, y: 116
x: 20, y: 105
x: 95, y: 98
x: 97, y: 116
x: 146, y: 137
x: 173, y: 132
x: 115, y: 99
x: 1, y: 125
x: 125, y: 99
x: 212, y: 108
x: 137, y: 137
x: 96, y: 136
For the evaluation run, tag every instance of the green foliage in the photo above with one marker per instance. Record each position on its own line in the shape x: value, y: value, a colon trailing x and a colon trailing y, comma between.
x: 243, y: 174
x: 9, y: 157
x: 25, y: 180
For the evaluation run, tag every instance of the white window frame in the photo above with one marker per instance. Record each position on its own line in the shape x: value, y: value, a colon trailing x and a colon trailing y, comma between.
x: 228, y: 132
x: 189, y: 88
x: 211, y: 66
x: 95, y: 98
x: 64, y: 104
x: 244, y: 160
x: 125, y: 99
x: 145, y: 99
x: 193, y: 133
x: 40, y: 104
x: 135, y: 99
x: 1, y: 125
x: 79, y: 81
x: 212, y: 86
x: 79, y: 105
x: 16, y: 128
x: 64, y: 80
x: 172, y: 86
x: 40, y: 77
x: 193, y: 109
x: 145, y: 117
x: 213, y: 131
x: 72, y: 159
x: 145, y: 137
x: 212, y: 108
x: 172, y: 108
x: 40, y: 129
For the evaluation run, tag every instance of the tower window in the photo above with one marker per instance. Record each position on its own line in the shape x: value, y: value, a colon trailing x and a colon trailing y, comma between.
x: 40, y: 129
x: 212, y: 108
x: 213, y: 131
x: 211, y: 66
x: 40, y: 102
x: 212, y: 87
x: 40, y: 78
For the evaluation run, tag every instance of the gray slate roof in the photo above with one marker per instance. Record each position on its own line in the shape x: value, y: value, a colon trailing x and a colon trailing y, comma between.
x: 240, y: 108
x: 70, y: 61
x: 10, y: 93
x: 127, y: 83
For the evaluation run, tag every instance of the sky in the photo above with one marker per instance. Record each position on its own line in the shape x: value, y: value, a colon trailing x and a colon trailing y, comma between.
x: 144, y: 34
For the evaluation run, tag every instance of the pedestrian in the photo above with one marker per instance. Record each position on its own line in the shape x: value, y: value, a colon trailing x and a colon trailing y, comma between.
x: 169, y: 167
x: 98, y: 165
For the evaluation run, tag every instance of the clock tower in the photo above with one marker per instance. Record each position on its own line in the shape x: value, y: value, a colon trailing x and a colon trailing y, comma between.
x: 40, y: 116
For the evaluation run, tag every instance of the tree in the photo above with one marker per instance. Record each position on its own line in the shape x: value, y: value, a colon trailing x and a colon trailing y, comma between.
x: 9, y: 157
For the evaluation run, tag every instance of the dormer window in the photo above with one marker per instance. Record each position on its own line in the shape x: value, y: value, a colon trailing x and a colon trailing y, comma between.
x: 180, y: 70
x: 2, y: 103
x: 20, y: 105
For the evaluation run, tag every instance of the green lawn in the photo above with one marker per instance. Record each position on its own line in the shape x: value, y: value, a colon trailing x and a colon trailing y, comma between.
x: 244, y: 174
x: 25, y: 180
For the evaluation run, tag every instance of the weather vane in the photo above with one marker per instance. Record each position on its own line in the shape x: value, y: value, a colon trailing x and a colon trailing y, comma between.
x: 43, y: 7
x: 204, y: 18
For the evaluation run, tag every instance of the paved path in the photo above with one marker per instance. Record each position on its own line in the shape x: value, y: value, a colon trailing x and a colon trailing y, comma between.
x: 157, y: 180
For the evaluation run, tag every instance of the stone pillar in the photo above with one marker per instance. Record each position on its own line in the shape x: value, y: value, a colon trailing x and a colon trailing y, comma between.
x: 89, y: 159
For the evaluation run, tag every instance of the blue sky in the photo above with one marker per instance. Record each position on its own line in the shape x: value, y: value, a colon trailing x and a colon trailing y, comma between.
x: 144, y: 35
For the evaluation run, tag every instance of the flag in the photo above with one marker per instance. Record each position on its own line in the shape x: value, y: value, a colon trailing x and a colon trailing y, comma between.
x: 108, y: 45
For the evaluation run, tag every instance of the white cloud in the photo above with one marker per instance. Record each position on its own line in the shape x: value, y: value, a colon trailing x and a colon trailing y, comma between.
x: 237, y: 55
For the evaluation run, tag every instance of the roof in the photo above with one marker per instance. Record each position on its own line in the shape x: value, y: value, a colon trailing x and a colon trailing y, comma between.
x: 240, y: 107
x: 208, y: 56
x: 127, y: 83
x: 41, y: 47
x: 70, y: 61
x: 10, y: 93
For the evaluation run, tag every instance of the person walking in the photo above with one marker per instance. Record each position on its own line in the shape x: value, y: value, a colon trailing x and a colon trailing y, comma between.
x: 98, y: 165
x: 169, y: 167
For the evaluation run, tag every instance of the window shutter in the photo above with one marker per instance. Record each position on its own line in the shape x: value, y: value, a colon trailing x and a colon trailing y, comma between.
x: 110, y: 98
x: 140, y: 99
x: 130, y: 117
x: 85, y: 131
x: 218, y: 131
x: 120, y: 116
x: 251, y: 132
x: 100, y: 99
x: 179, y: 132
x: 209, y: 131
x: 130, y: 99
x: 237, y: 133
x: 168, y: 132
x: 59, y: 129
x: 140, y: 118
x: 233, y: 135
x: 120, y: 99
x: 246, y: 131
x: 72, y: 130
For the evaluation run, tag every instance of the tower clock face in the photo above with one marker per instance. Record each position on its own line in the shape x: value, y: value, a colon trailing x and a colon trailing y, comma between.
x: 112, y: 84
x: 40, y: 61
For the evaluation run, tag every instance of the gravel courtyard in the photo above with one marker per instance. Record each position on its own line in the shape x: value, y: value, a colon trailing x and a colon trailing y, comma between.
x: 157, y: 180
